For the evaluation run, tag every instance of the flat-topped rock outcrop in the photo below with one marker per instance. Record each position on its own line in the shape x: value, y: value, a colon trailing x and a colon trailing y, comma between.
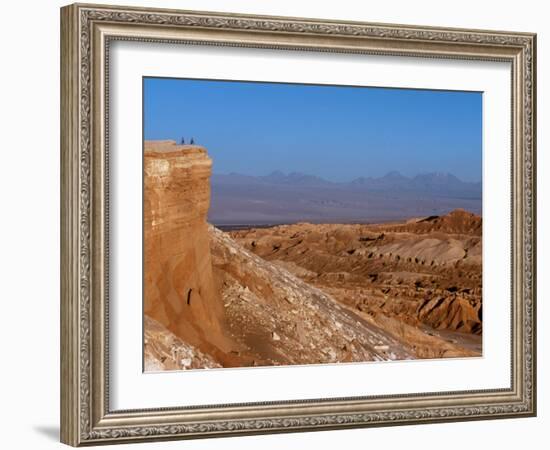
x: 179, y: 289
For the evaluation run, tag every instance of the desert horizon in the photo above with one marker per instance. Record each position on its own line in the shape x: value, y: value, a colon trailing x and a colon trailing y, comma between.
x: 257, y: 294
x: 279, y: 198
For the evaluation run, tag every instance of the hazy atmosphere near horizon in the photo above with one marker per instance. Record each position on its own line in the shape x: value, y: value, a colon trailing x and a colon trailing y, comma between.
x: 338, y: 133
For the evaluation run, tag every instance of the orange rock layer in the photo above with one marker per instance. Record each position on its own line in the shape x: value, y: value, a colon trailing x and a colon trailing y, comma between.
x: 179, y: 290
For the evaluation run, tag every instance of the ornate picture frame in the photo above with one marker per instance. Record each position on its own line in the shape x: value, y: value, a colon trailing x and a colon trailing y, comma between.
x: 87, y: 32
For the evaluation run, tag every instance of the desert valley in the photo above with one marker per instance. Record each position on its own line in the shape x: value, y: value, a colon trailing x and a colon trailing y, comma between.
x: 314, y: 291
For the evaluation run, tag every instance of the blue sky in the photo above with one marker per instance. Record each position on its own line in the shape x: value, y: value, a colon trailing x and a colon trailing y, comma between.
x: 338, y: 133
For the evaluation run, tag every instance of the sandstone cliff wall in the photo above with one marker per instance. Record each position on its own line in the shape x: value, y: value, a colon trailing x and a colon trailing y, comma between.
x: 179, y: 289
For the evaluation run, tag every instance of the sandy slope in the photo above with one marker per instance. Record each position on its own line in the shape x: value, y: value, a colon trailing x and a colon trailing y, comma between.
x: 280, y: 319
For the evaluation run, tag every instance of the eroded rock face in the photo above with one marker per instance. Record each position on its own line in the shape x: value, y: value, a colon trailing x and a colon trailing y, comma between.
x: 179, y: 290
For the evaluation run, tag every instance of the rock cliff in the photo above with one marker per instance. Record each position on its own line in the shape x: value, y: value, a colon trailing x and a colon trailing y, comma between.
x: 179, y: 289
x: 279, y: 319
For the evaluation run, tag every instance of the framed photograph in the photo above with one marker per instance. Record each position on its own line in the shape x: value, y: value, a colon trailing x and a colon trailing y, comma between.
x: 276, y: 224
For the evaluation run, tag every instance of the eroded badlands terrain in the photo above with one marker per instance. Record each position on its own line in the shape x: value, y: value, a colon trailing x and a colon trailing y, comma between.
x: 419, y: 281
x: 302, y: 293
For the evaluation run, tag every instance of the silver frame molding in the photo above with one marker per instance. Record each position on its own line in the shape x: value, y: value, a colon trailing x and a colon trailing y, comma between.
x: 86, y: 33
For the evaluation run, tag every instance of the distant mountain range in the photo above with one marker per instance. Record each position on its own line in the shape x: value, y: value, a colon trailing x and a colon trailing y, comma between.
x: 276, y: 198
x: 434, y: 184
